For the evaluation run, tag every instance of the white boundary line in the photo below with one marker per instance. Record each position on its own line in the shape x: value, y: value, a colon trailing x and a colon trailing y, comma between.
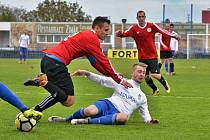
x: 181, y: 97
x: 160, y: 96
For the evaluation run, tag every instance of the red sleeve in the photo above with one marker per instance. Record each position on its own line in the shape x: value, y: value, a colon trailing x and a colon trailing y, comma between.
x: 96, y: 65
x: 101, y: 63
x: 127, y: 33
x: 161, y: 30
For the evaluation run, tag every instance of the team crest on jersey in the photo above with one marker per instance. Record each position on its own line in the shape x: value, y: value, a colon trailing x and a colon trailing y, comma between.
x: 149, y: 29
x: 138, y: 32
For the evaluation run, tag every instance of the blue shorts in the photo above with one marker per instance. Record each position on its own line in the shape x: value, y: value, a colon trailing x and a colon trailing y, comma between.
x: 23, y: 51
x: 173, y: 53
x: 105, y: 107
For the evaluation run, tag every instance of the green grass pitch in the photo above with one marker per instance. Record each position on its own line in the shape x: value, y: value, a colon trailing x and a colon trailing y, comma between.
x: 184, y: 113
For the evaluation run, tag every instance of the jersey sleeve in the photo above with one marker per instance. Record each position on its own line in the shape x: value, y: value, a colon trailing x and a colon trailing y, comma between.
x: 162, y: 31
x: 100, y: 62
x: 96, y: 65
x: 127, y: 33
x: 143, y: 110
x: 176, y: 43
x: 102, y: 80
x: 20, y: 39
x: 160, y: 38
x: 28, y: 40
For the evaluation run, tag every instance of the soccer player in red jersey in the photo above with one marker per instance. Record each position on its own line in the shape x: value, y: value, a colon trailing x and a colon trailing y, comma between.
x: 56, y: 79
x: 165, y: 50
x: 165, y: 55
x: 144, y: 35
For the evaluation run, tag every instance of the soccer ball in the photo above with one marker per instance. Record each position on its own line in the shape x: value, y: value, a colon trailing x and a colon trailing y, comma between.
x: 24, y: 124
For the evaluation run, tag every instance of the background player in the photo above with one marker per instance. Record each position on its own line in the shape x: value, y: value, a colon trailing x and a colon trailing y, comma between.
x: 144, y: 34
x: 166, y: 43
x: 24, y: 41
x: 174, y: 48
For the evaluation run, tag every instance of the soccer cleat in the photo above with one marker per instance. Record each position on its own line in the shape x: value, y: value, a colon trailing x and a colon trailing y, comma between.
x: 167, y: 87
x: 30, y: 113
x: 172, y: 73
x: 156, y: 92
x: 79, y: 121
x: 56, y: 119
x: 154, y: 121
x: 40, y: 80
x: 31, y: 83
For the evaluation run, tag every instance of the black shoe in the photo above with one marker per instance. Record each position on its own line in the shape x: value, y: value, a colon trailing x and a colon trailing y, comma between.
x: 156, y: 92
x: 31, y: 83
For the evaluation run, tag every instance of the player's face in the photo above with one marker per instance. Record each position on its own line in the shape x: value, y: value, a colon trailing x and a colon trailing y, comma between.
x: 141, y: 18
x: 138, y: 74
x: 103, y: 31
x: 171, y: 28
x: 167, y: 26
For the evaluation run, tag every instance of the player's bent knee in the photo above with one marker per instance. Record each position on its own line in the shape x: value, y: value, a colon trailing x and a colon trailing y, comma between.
x: 122, y: 118
x: 91, y: 110
x: 69, y: 101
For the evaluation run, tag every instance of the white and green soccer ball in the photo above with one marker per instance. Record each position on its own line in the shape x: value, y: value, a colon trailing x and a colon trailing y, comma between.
x: 24, y: 124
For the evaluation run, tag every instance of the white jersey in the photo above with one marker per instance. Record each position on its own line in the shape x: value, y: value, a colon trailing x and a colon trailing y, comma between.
x: 24, y: 41
x: 174, y: 43
x: 125, y: 100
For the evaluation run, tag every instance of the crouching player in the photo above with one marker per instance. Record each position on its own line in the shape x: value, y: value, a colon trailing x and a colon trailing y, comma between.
x: 116, y: 109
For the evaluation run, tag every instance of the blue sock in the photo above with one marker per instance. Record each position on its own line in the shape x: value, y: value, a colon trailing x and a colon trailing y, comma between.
x: 7, y: 95
x: 21, y: 57
x: 77, y: 115
x: 24, y: 57
x: 108, y: 119
x: 166, y: 66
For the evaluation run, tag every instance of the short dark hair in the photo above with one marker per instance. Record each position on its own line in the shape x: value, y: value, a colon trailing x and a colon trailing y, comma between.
x: 172, y: 25
x: 140, y: 11
x: 100, y: 21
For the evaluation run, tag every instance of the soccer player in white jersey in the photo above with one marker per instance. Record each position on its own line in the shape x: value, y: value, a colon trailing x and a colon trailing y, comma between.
x: 117, y: 108
x: 24, y: 42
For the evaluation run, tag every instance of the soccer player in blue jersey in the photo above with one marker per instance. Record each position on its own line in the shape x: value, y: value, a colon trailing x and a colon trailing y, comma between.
x: 116, y: 109
x: 7, y: 95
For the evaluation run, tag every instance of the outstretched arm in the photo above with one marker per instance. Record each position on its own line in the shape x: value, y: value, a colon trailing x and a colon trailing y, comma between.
x: 81, y: 73
x: 102, y: 80
x: 127, y: 33
x: 144, y: 112
x: 103, y: 65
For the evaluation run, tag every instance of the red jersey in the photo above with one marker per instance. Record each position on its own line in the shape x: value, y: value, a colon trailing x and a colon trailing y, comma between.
x: 164, y: 42
x: 84, y: 44
x: 145, y: 39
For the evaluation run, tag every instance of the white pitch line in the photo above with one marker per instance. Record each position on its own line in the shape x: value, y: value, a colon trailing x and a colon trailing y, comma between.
x: 182, y: 97
x: 160, y: 96
x: 32, y: 93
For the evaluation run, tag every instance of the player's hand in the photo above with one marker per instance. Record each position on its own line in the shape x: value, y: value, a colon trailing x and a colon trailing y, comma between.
x: 118, y: 33
x: 41, y: 77
x: 177, y: 37
x: 126, y: 84
x: 120, y: 74
x: 81, y: 73
x: 164, y: 47
x: 154, y: 121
